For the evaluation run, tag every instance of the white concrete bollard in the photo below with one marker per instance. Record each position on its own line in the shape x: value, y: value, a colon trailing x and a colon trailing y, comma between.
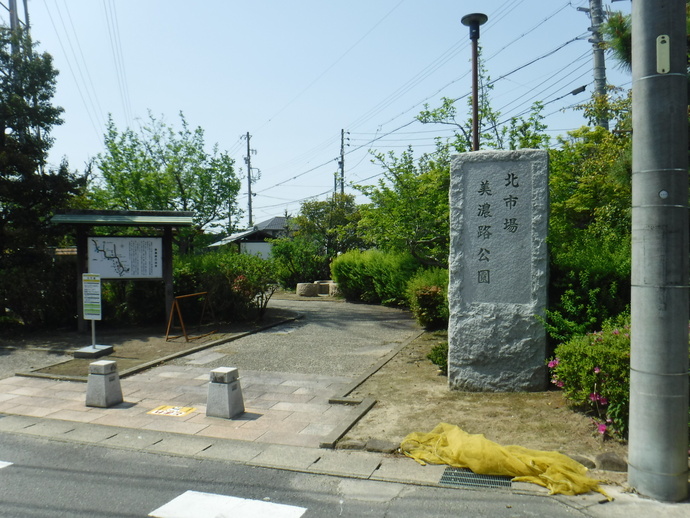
x: 224, y: 393
x: 103, y: 384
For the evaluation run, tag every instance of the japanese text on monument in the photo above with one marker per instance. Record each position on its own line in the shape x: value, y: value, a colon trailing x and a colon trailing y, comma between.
x: 497, y: 233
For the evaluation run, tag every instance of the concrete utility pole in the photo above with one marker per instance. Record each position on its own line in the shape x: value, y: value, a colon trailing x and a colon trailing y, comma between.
x: 248, y: 161
x: 341, y: 162
x: 14, y: 23
x: 658, y: 428
x: 597, y: 18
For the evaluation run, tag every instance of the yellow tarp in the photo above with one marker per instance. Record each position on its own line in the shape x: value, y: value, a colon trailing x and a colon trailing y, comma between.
x: 448, y: 444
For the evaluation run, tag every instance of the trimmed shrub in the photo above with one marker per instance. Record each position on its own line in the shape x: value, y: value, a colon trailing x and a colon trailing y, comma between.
x: 390, y: 273
x: 238, y: 285
x: 439, y: 356
x: 427, y: 294
x: 594, y: 372
x: 374, y: 276
x: 350, y: 272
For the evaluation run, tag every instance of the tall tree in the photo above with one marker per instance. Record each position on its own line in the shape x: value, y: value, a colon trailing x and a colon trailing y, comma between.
x: 409, y: 206
x: 321, y: 231
x: 330, y: 224
x: 161, y: 168
x: 29, y: 194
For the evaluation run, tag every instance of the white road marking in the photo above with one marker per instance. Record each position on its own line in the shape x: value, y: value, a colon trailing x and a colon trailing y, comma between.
x: 194, y: 504
x: 4, y: 464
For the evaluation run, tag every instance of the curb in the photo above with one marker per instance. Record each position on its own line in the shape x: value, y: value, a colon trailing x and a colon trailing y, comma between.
x: 158, y: 361
x: 363, y: 404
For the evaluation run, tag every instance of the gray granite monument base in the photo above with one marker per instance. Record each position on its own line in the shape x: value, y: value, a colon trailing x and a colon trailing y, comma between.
x: 495, y: 348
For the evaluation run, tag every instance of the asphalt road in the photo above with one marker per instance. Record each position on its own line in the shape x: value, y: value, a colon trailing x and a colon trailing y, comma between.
x: 55, y: 479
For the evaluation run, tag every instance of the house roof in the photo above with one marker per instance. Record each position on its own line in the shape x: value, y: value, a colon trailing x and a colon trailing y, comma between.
x: 266, y: 228
x: 276, y: 223
x: 125, y: 217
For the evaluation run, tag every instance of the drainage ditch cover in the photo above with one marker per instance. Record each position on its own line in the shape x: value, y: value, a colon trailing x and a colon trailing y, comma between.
x: 464, y: 477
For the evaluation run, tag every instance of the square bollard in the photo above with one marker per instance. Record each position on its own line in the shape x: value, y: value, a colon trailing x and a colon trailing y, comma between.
x: 103, y: 384
x: 224, y: 394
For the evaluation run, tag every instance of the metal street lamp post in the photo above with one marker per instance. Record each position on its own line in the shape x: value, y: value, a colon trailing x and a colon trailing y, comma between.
x: 473, y: 21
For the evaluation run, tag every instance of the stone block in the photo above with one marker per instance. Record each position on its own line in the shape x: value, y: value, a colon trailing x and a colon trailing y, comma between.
x: 103, y: 385
x: 307, y: 289
x: 224, y: 394
x: 323, y: 287
x: 103, y: 367
x: 224, y: 375
x: 333, y: 290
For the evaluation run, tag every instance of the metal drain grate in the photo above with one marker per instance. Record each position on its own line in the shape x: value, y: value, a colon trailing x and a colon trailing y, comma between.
x: 465, y: 477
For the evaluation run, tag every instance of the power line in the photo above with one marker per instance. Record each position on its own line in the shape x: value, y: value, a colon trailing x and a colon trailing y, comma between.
x: 289, y: 103
x: 118, y: 59
x: 89, y: 111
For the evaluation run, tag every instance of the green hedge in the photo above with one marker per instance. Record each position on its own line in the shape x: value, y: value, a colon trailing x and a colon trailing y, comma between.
x: 238, y: 285
x: 374, y: 276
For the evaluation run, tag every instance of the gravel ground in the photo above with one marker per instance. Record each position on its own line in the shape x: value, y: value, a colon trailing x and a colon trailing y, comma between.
x: 332, y: 338
x: 23, y: 360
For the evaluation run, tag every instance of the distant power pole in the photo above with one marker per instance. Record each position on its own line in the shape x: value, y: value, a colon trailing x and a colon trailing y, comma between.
x: 341, y: 162
x: 596, y: 16
x: 660, y: 299
x: 248, y: 161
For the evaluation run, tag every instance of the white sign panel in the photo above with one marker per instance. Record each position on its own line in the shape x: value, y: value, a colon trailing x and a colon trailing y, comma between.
x: 91, y: 290
x: 126, y: 257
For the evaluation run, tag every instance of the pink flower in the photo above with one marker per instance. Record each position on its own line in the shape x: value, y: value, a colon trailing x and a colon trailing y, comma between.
x: 594, y: 396
x: 597, y: 370
x: 559, y: 384
x: 603, y: 400
x: 616, y: 332
x: 601, y: 428
x: 553, y: 363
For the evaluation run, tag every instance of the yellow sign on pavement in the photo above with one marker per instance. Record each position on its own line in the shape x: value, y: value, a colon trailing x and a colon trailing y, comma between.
x: 172, y: 411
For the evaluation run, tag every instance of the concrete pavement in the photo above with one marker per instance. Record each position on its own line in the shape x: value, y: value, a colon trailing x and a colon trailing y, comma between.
x: 295, y: 379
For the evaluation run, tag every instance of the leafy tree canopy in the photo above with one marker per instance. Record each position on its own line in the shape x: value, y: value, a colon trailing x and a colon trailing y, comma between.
x: 409, y: 206
x: 496, y: 132
x: 161, y: 168
x: 330, y: 224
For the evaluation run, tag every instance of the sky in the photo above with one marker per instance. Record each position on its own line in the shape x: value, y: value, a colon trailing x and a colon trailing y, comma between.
x: 294, y: 74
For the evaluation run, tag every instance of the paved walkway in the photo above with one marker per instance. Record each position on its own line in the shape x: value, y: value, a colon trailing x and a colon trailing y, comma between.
x: 288, y: 375
x: 291, y: 377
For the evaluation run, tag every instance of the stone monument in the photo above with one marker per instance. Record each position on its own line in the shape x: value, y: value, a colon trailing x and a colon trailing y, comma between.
x: 498, y: 271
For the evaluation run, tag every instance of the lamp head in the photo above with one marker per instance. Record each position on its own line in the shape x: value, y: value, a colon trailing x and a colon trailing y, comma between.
x: 473, y: 21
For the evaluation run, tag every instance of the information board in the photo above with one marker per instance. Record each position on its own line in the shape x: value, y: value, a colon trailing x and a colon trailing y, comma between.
x: 91, y: 289
x: 125, y: 257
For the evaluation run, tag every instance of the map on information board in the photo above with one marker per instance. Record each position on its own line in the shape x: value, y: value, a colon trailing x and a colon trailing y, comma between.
x: 126, y: 257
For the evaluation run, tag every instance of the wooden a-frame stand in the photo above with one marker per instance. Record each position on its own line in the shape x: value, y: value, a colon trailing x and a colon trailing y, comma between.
x: 175, y: 309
